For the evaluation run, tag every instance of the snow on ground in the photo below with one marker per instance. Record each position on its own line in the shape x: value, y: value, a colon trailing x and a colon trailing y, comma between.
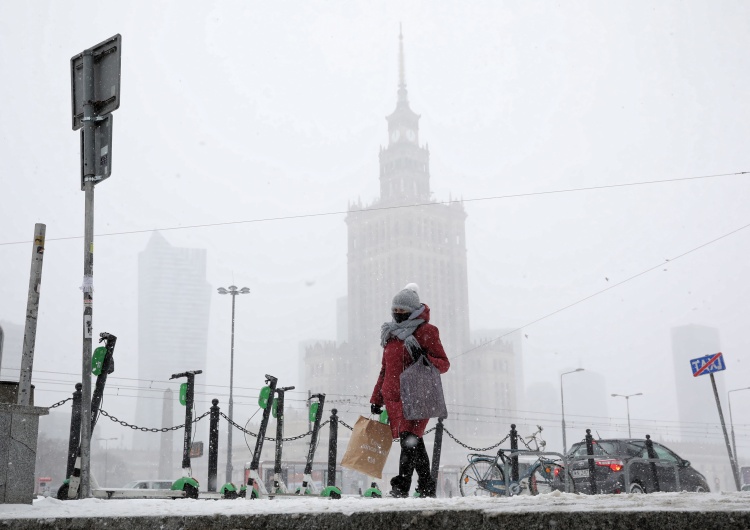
x: 47, y: 508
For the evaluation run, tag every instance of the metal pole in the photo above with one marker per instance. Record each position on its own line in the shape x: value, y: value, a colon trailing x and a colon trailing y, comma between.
x: 32, y: 312
x: 732, y: 461
x: 332, y: 447
x: 213, y: 446
x: 627, y: 406
x: 231, y: 400
x: 188, y: 423
x: 437, y: 449
x: 591, y: 463
x: 88, y: 266
x: 562, y: 404
x: 75, y: 431
x: 514, y: 449
x: 731, y: 426
x: 652, y: 454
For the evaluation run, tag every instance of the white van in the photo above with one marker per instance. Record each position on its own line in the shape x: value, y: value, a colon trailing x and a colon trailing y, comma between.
x: 162, y: 484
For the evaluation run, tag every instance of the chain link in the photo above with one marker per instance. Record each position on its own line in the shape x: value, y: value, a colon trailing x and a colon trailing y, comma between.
x: 236, y: 426
x: 345, y: 425
x: 478, y: 449
x: 59, y: 403
x: 147, y: 429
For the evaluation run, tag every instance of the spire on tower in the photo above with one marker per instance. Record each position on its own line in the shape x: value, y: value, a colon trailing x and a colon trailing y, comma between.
x: 402, y: 97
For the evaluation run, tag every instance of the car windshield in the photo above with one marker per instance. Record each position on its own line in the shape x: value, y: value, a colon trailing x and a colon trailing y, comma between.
x: 600, y: 449
x: 130, y: 485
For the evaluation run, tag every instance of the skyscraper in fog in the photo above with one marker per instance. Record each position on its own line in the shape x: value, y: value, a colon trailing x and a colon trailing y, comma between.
x: 173, y: 308
x: 695, y: 399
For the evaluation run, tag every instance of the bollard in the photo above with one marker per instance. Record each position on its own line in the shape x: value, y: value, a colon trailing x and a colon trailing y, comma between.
x: 513, y: 449
x: 437, y: 449
x: 213, y: 445
x: 592, y: 465
x: 333, y: 434
x: 652, y: 454
x: 75, y: 431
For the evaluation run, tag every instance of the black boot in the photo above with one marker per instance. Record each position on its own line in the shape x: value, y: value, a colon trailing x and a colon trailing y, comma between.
x: 426, y: 485
x: 401, y: 483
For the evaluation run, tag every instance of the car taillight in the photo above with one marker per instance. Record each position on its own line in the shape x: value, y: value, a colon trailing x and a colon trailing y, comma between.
x: 614, y: 465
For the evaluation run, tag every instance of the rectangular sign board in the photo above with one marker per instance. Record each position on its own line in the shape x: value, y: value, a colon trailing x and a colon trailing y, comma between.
x: 196, y: 449
x: 708, y: 364
x: 107, y: 59
x: 102, y: 150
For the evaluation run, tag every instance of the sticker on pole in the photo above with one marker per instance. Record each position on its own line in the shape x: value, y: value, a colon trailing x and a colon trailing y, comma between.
x: 708, y: 364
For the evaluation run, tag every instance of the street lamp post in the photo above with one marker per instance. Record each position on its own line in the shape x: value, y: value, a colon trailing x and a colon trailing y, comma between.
x: 562, y: 403
x: 731, y: 424
x: 106, y: 455
x: 232, y: 289
x: 627, y: 404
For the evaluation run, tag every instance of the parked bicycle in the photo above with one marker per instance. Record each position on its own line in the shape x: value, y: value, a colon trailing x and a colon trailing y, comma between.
x: 485, y: 474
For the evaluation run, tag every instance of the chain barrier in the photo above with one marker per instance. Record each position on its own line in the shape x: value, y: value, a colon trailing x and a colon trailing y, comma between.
x: 345, y: 425
x: 478, y: 449
x: 147, y: 429
x: 59, y: 403
x: 268, y: 438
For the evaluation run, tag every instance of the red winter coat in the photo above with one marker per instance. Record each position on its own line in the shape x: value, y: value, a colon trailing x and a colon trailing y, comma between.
x: 396, y: 359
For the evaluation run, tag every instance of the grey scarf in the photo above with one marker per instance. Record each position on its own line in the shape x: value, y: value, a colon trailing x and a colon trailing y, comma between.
x: 403, y: 331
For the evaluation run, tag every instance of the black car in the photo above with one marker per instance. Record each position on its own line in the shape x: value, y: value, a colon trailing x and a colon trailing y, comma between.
x: 611, y: 459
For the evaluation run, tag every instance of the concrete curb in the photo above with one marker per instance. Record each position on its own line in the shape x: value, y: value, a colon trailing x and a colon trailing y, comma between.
x: 412, y: 520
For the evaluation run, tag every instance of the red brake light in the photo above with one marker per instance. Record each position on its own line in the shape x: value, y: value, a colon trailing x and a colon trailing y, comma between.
x: 614, y: 465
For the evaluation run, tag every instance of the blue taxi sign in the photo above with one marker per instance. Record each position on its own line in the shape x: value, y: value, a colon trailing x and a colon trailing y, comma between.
x: 708, y: 364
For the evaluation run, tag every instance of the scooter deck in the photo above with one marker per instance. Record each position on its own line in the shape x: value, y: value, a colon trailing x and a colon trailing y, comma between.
x: 120, y: 493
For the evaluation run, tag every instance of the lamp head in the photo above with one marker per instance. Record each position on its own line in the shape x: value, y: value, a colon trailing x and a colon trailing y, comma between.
x: 222, y: 290
x: 244, y: 290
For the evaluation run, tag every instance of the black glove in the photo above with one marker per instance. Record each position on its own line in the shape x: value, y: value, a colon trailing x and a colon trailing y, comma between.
x: 376, y: 409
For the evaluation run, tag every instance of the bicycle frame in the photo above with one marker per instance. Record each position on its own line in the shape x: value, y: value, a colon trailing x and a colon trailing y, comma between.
x: 510, y: 487
x: 504, y: 460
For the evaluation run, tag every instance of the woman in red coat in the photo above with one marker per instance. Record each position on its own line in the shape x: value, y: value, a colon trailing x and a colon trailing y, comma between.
x: 405, y: 340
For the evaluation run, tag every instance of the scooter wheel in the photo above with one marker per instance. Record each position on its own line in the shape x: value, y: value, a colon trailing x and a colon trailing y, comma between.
x: 191, y: 492
x: 62, y: 492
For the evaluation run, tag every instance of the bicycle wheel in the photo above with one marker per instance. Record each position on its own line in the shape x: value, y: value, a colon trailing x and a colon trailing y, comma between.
x: 548, y: 477
x: 475, y: 476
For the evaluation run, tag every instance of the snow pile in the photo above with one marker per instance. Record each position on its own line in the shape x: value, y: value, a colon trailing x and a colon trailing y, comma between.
x: 48, y: 508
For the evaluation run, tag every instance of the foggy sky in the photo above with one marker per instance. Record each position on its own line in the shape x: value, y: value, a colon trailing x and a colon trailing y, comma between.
x: 242, y: 111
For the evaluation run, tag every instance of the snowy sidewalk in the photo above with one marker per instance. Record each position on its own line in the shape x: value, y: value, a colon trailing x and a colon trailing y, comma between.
x: 556, y: 510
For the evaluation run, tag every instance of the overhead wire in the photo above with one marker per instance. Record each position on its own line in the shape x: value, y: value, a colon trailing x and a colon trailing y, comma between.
x: 393, y: 207
x: 597, y: 293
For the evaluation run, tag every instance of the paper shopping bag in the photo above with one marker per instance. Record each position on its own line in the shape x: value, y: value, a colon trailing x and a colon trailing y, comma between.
x: 422, y: 392
x: 368, y: 447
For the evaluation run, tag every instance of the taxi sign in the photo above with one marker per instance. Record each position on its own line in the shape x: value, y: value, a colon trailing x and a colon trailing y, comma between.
x: 708, y: 364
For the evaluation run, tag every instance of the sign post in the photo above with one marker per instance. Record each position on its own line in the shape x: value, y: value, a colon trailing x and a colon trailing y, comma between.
x: 709, y: 365
x: 95, y: 93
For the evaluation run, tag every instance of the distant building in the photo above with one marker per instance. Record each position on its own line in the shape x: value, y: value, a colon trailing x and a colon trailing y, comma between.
x: 405, y: 236
x: 173, y: 307
x: 695, y: 398
x: 11, y: 348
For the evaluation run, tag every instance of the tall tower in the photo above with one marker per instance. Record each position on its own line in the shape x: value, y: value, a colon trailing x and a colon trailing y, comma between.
x: 173, y: 306
x: 405, y: 236
x: 695, y: 402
